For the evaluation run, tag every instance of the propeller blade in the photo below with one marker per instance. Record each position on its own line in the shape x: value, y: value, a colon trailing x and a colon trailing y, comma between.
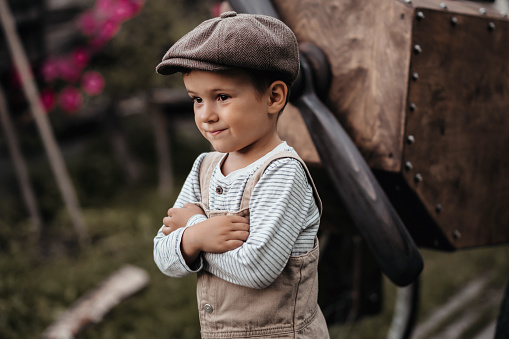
x: 375, y: 217
x: 263, y: 7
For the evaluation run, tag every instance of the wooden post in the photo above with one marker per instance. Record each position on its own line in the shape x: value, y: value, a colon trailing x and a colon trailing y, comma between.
x: 30, y: 89
x: 20, y: 166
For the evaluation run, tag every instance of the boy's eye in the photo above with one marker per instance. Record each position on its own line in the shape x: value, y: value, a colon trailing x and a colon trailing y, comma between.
x: 197, y: 100
x: 223, y: 97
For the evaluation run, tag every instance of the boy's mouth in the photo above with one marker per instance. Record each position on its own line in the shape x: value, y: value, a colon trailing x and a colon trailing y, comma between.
x: 216, y: 132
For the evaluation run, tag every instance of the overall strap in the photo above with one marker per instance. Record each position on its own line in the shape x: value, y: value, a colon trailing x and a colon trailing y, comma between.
x: 259, y: 172
x: 208, y: 164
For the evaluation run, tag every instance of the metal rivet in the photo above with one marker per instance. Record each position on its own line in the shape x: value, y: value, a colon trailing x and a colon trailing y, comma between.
x: 438, y: 208
x: 454, y: 21
x: 482, y: 10
x: 456, y: 234
x: 415, y: 76
x: 420, y: 16
x: 408, y: 165
x: 443, y: 5
x: 410, y: 139
x: 417, y: 49
x: 412, y: 107
x: 491, y: 26
x: 208, y: 308
x: 418, y: 178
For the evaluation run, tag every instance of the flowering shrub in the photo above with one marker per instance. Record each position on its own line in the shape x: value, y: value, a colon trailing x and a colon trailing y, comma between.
x: 99, y: 25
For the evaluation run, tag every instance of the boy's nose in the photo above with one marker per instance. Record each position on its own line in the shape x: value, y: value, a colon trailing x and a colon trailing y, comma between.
x: 208, y: 113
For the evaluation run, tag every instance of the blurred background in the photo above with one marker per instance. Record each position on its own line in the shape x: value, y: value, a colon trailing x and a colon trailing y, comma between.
x: 128, y: 140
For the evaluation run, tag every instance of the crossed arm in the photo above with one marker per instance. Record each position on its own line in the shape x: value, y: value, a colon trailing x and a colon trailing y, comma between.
x: 215, y: 235
x: 280, y: 208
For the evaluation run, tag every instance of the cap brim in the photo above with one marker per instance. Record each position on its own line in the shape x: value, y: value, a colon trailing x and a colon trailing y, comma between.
x: 175, y: 65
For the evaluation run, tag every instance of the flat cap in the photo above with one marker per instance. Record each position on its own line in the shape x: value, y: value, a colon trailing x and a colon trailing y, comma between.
x: 256, y: 42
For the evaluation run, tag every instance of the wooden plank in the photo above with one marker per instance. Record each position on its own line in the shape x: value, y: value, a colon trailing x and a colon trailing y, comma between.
x: 460, y: 126
x: 367, y: 43
x: 292, y: 129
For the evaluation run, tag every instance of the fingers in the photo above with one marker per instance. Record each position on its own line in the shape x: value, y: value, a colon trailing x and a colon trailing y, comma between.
x: 237, y: 219
x: 166, y: 221
x: 240, y: 235
x: 233, y: 244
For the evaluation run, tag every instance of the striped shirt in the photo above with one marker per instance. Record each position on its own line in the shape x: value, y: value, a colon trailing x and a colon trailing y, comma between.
x: 284, y: 220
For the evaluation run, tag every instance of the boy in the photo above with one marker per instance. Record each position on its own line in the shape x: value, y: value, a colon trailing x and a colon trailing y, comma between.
x: 247, y: 216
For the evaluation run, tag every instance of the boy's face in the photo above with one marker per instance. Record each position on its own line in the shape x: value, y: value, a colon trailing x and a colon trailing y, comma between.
x: 230, y: 113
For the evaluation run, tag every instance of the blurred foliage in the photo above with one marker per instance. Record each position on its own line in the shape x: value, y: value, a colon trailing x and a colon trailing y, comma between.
x: 128, y: 62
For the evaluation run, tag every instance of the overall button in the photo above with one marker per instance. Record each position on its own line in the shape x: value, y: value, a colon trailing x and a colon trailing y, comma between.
x: 208, y: 308
x: 219, y: 190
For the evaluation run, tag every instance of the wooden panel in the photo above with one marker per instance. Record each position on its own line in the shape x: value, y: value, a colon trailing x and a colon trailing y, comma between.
x: 460, y: 125
x: 460, y: 7
x: 293, y: 130
x: 367, y: 43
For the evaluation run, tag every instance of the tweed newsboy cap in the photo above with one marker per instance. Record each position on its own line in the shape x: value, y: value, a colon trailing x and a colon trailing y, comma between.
x: 234, y: 40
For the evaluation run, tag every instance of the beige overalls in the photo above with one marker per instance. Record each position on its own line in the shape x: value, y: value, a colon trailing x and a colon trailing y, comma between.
x: 288, y: 308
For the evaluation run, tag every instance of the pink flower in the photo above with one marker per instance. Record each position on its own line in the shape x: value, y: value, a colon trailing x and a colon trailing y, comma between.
x: 215, y: 9
x: 108, y: 29
x: 47, y: 96
x: 69, y: 70
x: 105, y: 6
x: 92, y: 83
x: 125, y: 10
x: 81, y: 57
x: 70, y: 99
x: 50, y: 70
x: 87, y: 23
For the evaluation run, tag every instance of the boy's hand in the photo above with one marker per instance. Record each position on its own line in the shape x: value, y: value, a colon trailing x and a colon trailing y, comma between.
x: 178, y: 217
x: 215, y: 235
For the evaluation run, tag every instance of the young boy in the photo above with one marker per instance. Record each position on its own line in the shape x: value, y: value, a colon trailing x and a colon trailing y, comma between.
x: 247, y: 216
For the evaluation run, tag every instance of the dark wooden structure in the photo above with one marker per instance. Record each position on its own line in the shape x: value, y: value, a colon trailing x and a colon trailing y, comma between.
x: 422, y: 88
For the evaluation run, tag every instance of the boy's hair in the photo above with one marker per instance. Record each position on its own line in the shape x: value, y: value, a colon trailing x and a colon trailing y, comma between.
x: 262, y: 45
x: 262, y: 80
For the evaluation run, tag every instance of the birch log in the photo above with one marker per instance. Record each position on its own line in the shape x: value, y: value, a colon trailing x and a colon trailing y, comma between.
x: 93, y: 306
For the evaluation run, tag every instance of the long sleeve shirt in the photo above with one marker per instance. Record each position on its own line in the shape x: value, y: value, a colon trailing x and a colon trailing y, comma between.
x: 284, y: 220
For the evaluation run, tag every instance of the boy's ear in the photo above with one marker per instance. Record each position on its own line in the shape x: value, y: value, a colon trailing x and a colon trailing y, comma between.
x: 277, y: 99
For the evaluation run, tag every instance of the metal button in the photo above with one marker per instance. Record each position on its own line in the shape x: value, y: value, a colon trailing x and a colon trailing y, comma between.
x: 208, y: 308
x: 219, y: 190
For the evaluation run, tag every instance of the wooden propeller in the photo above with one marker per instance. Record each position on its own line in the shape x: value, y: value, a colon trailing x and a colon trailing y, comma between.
x: 372, y: 213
